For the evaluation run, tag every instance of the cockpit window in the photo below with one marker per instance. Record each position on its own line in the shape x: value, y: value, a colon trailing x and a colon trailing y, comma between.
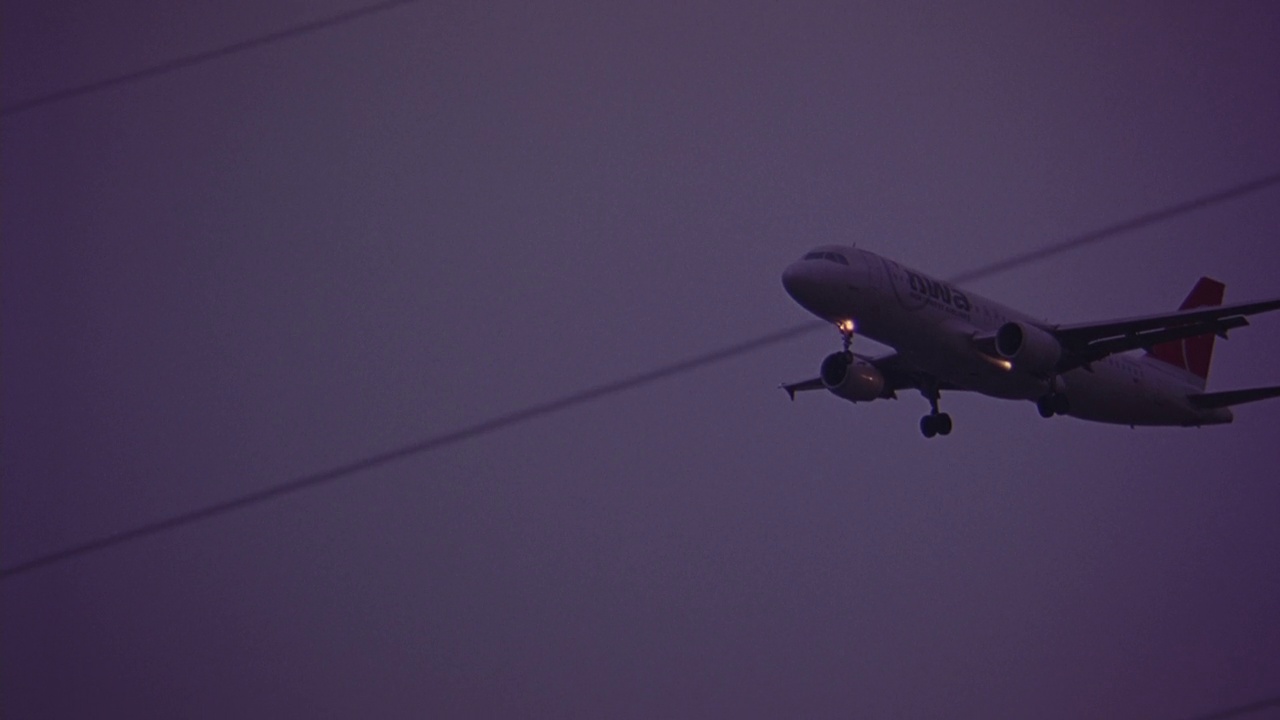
x: 829, y: 256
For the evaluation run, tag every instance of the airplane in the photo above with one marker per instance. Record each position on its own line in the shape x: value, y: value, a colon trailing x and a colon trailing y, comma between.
x: 947, y: 339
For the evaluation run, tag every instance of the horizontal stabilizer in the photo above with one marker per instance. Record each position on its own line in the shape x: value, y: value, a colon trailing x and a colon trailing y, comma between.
x: 1233, y: 397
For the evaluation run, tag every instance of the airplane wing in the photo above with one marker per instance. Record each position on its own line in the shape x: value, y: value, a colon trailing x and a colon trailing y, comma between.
x: 793, y: 388
x: 898, y: 375
x: 1085, y: 343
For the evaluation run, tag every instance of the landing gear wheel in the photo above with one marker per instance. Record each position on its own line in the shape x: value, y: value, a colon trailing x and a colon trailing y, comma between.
x: 927, y: 426
x: 935, y: 424
x: 943, y: 423
x: 1061, y: 405
x: 1053, y: 404
x: 1045, y: 406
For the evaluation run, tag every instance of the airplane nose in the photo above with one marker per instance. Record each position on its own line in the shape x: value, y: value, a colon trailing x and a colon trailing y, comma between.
x: 819, y: 287
x: 793, y: 281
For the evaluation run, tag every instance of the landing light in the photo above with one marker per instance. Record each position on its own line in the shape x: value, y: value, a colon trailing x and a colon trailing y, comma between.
x: 846, y: 326
x: 999, y: 362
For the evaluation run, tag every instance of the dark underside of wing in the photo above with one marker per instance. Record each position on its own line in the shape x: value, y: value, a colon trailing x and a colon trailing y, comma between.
x: 898, y: 375
x: 901, y: 375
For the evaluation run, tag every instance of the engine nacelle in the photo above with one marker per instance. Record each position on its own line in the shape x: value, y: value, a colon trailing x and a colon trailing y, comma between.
x: 855, y: 380
x: 1029, y: 348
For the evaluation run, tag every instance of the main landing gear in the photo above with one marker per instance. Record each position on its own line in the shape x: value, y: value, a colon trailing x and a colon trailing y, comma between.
x: 935, y: 423
x: 1053, y: 404
x: 931, y: 425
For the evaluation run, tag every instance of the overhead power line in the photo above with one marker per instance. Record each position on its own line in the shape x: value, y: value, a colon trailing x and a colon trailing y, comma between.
x: 1240, y: 710
x: 434, y: 443
x: 501, y: 422
x: 1136, y: 223
x: 200, y: 58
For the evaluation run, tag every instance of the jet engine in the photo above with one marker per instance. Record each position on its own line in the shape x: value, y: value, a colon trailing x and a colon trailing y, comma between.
x: 850, y: 378
x: 1029, y: 348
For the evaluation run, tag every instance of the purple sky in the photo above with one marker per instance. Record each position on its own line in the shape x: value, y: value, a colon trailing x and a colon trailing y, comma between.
x: 283, y: 260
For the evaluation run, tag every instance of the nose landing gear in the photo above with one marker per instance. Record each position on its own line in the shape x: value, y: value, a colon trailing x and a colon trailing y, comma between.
x: 846, y: 338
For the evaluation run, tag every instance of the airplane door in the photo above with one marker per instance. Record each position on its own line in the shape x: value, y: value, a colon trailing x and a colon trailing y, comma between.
x: 875, y: 272
x: 875, y: 284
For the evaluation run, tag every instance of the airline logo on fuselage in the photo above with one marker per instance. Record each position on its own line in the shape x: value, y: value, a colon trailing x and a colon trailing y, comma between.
x: 924, y: 290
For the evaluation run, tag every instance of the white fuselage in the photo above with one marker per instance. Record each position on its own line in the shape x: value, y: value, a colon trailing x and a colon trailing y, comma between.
x: 933, y: 325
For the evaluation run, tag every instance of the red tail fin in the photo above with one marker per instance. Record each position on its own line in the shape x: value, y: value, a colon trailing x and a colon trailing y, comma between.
x: 1193, y: 354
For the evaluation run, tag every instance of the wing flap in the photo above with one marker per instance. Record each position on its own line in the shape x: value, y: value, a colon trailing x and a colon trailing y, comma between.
x: 1085, y: 333
x: 1085, y: 343
x: 1101, y: 348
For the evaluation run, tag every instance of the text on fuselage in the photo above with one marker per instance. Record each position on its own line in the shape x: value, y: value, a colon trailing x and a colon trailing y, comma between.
x: 939, y: 291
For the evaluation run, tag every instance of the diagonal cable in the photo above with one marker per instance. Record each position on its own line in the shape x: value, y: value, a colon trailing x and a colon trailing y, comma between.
x: 306, y: 482
x: 485, y: 427
x: 186, y: 61
x: 1240, y: 710
x: 1124, y: 226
